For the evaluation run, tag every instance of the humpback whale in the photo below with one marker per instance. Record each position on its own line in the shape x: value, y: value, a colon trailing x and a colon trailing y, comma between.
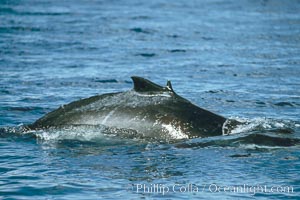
x: 149, y: 110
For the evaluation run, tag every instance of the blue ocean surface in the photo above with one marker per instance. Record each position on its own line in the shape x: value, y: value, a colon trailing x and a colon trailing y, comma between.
x: 240, y: 59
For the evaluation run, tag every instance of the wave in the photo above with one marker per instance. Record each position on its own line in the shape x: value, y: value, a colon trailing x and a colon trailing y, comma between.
x: 257, y: 133
x: 261, y: 124
x: 253, y: 140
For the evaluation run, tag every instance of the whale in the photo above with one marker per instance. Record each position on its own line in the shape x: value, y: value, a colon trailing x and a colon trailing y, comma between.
x: 148, y: 110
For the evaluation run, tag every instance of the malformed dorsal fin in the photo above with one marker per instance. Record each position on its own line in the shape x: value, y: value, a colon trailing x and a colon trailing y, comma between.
x: 169, y: 86
x: 144, y: 85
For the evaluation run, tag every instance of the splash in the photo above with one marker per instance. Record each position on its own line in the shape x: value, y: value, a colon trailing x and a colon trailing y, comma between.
x: 244, y: 125
x: 174, y: 132
x: 253, y: 133
x: 74, y: 132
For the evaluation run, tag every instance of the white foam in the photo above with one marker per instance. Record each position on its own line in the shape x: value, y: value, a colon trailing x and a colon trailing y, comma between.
x: 224, y: 128
x: 260, y: 123
x: 81, y: 133
x: 175, y: 133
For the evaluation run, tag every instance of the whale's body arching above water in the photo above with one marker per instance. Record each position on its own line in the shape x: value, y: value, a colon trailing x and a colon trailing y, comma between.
x: 149, y: 109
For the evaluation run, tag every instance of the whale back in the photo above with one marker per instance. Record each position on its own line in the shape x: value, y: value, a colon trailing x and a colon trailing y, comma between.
x: 147, y: 109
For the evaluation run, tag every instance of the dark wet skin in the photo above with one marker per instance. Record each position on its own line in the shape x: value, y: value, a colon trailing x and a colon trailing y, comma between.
x: 147, y: 106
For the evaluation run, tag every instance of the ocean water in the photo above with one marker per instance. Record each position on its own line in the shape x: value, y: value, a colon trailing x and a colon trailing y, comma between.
x: 240, y: 59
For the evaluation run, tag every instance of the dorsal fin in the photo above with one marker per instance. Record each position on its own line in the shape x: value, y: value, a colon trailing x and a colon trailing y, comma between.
x: 144, y: 85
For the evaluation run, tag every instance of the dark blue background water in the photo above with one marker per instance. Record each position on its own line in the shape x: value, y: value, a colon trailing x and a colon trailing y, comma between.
x: 240, y: 59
